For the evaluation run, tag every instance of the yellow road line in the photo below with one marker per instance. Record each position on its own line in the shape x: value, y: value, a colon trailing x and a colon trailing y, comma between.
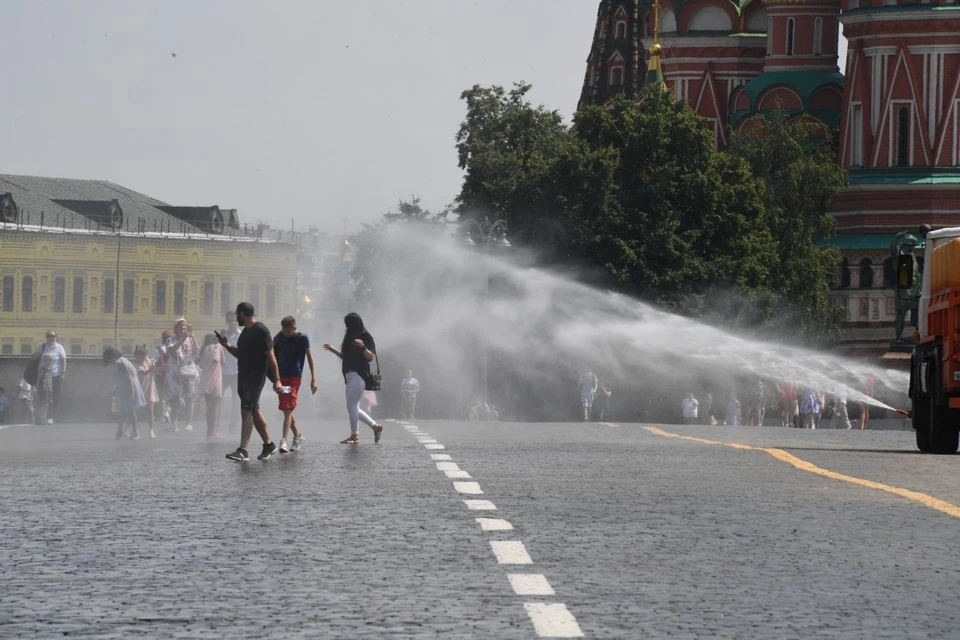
x: 803, y: 465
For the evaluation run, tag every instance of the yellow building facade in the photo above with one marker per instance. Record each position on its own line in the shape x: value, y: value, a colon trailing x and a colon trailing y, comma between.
x: 103, y: 288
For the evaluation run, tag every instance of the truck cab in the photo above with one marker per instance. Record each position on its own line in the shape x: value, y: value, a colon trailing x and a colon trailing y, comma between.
x: 935, y: 362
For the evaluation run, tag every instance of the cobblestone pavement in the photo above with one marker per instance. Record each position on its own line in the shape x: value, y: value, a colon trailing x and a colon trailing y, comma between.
x: 637, y: 535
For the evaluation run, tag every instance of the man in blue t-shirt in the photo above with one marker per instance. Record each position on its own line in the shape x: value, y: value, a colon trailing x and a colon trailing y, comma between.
x: 291, y: 348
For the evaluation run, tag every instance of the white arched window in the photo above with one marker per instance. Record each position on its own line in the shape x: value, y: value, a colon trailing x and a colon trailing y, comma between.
x: 620, y: 31
x: 790, y: 33
x: 616, y: 76
x: 818, y: 37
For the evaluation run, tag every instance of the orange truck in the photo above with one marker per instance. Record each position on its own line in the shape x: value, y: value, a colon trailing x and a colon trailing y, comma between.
x: 935, y: 360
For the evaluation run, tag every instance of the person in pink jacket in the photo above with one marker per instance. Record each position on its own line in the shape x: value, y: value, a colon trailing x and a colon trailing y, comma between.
x: 211, y: 381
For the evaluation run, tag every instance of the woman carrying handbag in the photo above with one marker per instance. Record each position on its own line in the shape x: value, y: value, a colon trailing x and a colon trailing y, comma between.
x: 356, y: 353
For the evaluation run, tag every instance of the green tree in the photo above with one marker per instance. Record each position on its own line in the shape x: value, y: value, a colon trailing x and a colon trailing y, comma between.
x: 799, y: 173
x: 374, y: 258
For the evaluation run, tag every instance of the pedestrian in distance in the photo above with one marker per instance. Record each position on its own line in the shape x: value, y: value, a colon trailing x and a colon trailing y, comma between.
x: 212, y: 357
x: 255, y: 357
x: 733, y: 411
x: 126, y: 390
x: 182, y: 373
x: 52, y: 369
x: 601, y: 404
x: 291, y: 348
x: 4, y: 405
x: 689, y: 408
x: 148, y: 383
x: 409, y: 388
x: 588, y: 391
x: 840, y: 414
x: 357, y: 351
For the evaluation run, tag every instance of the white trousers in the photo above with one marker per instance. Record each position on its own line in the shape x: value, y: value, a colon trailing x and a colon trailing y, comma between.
x: 355, y: 388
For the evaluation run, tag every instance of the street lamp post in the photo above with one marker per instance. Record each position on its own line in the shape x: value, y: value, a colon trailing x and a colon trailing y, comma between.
x: 486, y: 235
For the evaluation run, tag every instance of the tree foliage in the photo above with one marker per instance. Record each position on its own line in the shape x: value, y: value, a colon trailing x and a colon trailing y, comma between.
x: 637, y: 190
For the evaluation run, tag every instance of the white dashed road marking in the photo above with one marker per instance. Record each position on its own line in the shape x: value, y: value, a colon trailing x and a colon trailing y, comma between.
x: 553, y: 620
x: 480, y: 505
x: 550, y: 619
x: 510, y: 552
x: 494, y: 524
x: 467, y: 487
x: 530, y: 584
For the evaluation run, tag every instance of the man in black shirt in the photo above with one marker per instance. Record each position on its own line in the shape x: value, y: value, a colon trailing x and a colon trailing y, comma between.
x: 254, y: 353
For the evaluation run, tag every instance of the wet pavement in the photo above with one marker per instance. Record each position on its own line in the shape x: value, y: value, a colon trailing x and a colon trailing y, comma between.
x: 636, y: 534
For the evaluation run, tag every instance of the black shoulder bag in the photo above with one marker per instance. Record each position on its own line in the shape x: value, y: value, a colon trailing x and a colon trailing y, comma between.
x: 373, y: 379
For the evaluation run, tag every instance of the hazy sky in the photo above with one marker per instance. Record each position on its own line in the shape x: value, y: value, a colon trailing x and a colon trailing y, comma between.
x: 319, y: 111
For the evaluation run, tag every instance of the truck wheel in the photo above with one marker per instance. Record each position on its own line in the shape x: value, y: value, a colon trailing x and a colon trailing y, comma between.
x: 943, y: 434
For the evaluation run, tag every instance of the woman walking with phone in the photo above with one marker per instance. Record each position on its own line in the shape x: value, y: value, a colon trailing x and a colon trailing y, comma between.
x: 356, y: 353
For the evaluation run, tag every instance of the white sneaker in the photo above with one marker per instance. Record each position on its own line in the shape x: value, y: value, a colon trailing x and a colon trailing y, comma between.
x: 189, y: 427
x: 49, y: 420
x: 283, y: 447
x: 297, y: 443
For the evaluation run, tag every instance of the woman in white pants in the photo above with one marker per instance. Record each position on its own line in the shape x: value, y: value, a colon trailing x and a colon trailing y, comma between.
x: 356, y: 352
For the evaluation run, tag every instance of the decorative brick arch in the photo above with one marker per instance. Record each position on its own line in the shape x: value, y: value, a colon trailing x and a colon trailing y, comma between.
x: 750, y: 124
x: 780, y: 96
x: 739, y: 100
x: 689, y: 11
x: 822, y: 128
x: 827, y: 98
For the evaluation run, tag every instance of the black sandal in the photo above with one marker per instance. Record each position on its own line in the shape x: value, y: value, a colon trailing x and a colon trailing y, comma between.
x: 351, y: 440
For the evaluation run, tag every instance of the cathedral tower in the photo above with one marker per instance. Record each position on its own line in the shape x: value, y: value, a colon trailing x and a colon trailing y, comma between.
x: 614, y: 63
x: 900, y: 132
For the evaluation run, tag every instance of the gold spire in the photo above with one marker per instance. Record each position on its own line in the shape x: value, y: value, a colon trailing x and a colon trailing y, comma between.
x: 654, y: 72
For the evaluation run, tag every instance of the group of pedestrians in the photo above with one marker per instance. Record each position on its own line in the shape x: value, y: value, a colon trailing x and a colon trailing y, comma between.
x: 187, y: 371
x: 798, y: 406
x: 594, y: 397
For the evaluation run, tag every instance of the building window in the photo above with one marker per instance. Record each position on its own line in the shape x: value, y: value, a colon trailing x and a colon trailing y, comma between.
x: 769, y: 36
x: 889, y: 274
x: 818, y: 37
x: 109, y: 295
x: 903, y: 137
x: 844, y: 274
x: 160, y: 299
x: 179, y: 298
x: 7, y: 349
x: 59, y: 294
x: 271, y: 300
x: 856, y: 136
x: 616, y: 76
x: 76, y: 348
x: 254, y: 295
x: 790, y: 33
x: 620, y: 30
x: 225, y: 299
x: 26, y: 348
x: 78, y: 295
x: 866, y: 274
x: 128, y: 295
x: 208, y: 298
x: 27, y: 294
x: 8, y: 293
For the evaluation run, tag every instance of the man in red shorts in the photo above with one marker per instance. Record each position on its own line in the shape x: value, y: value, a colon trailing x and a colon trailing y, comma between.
x: 291, y: 348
